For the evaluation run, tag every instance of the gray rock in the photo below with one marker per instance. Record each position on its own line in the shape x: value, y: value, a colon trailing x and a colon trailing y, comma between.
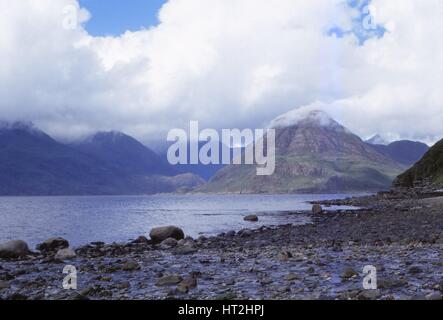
x: 386, y: 283
x: 251, y: 218
x: 187, y: 284
x: 160, y: 234
x: 169, y: 243
x: 53, y: 245
x: 3, y: 285
x: 284, y: 256
x: 14, y: 249
x: 349, y: 273
x: 369, y: 295
x: 230, y: 234
x: 169, y: 280
x: 130, y: 266
x: 245, y: 233
x: 283, y: 289
x: 65, y: 254
x: 141, y: 240
x: 292, y: 277
x: 317, y: 209
x: 184, y: 250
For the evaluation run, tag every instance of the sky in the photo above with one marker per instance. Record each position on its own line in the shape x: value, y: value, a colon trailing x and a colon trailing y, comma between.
x: 115, y: 17
x: 147, y: 66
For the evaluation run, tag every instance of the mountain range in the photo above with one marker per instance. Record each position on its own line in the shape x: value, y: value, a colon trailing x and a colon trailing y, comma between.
x: 33, y: 163
x: 316, y: 154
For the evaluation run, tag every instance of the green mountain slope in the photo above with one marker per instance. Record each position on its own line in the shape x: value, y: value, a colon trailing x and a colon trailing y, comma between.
x: 314, y: 155
x: 429, y: 170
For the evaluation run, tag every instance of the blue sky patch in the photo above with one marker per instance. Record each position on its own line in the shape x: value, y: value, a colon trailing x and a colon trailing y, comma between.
x: 114, y: 17
x: 364, y: 25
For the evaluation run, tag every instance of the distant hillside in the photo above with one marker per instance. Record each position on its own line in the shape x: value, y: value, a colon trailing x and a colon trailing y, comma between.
x: 124, y: 153
x: 206, y: 172
x: 314, y: 154
x: 429, y: 170
x: 32, y: 163
x: 405, y: 152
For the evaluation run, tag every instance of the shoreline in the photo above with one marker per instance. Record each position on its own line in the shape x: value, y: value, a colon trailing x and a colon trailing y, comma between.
x: 402, y: 237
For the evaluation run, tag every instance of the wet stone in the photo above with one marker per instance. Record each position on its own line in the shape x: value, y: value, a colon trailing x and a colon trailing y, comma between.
x: 169, y: 280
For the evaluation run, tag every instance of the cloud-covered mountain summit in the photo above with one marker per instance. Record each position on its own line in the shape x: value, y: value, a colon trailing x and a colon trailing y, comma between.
x: 33, y: 163
x: 314, y: 154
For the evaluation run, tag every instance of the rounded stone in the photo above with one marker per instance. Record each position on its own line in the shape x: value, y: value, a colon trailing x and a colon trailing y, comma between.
x: 160, y: 234
x: 14, y: 249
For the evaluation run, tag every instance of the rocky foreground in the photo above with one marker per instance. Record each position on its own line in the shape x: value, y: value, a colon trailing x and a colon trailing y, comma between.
x: 401, y: 237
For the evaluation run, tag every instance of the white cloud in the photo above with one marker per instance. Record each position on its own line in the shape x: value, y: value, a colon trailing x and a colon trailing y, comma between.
x: 226, y: 63
x: 403, y: 72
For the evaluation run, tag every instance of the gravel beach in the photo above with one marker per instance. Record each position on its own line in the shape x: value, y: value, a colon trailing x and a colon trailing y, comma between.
x: 401, y: 237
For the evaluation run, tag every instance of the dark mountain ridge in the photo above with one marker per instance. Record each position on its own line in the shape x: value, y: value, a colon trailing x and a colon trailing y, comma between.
x: 33, y: 163
x: 405, y: 152
x: 124, y: 153
x: 428, y: 172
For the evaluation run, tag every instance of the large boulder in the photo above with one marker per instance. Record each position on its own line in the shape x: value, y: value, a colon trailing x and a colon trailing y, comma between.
x: 14, y: 249
x: 160, y: 234
x: 53, y: 245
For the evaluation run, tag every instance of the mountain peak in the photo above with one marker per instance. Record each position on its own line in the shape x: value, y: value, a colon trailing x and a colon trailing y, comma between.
x: 377, y: 139
x: 20, y: 125
x: 315, y: 132
x: 110, y: 136
x: 314, y: 153
x: 124, y: 152
x: 307, y: 118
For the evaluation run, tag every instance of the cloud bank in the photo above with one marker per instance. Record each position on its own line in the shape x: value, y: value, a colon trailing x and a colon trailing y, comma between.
x: 226, y: 63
